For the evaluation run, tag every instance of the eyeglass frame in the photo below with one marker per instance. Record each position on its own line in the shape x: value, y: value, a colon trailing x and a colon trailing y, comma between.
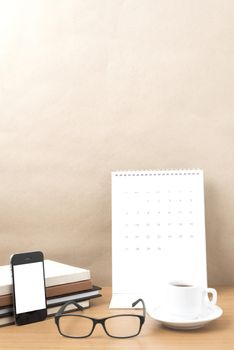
x: 95, y: 321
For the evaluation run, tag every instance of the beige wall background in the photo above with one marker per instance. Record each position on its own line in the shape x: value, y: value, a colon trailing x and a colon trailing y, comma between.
x: 87, y: 87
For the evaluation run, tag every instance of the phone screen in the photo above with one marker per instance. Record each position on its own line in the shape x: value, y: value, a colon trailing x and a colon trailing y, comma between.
x: 29, y: 287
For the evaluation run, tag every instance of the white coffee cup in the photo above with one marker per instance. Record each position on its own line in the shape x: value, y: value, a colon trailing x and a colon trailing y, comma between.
x: 186, y: 300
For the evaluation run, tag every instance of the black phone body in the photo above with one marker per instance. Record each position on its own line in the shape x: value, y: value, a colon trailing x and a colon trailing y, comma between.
x: 29, y: 297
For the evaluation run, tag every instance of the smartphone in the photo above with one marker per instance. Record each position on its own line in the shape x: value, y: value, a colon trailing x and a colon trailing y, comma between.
x: 29, y: 297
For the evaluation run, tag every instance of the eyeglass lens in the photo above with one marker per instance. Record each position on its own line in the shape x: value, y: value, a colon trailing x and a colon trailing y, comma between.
x: 75, y: 326
x: 123, y: 326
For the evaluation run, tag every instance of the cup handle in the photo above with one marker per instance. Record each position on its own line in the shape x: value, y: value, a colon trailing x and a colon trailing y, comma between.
x: 214, y: 295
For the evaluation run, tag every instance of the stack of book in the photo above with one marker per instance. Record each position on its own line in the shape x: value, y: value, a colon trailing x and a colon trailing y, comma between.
x: 63, y: 283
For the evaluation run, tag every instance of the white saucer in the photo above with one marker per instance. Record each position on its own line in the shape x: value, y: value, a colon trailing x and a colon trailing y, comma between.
x: 210, y: 313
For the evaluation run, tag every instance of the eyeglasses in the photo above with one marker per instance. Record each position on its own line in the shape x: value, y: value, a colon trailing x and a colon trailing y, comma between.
x: 117, y: 326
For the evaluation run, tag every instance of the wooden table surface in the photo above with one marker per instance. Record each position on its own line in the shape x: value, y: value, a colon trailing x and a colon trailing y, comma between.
x: 218, y: 334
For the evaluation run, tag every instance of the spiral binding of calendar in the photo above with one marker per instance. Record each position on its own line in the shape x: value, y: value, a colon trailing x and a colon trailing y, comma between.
x: 160, y: 172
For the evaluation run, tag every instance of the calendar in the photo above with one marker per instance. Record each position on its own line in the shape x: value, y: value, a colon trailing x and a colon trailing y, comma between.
x: 158, y: 232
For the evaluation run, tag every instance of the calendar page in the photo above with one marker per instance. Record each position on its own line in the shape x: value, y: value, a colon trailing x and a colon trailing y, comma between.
x: 158, y: 232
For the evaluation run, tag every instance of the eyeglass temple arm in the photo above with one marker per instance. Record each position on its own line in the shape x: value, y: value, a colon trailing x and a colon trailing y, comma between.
x: 142, y: 301
x: 63, y: 307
